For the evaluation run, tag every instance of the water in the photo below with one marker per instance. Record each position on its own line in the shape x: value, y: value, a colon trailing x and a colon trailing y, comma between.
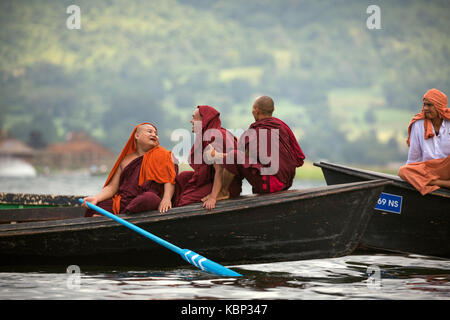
x: 69, y: 184
x: 400, y: 277
x: 376, y: 276
x: 84, y: 184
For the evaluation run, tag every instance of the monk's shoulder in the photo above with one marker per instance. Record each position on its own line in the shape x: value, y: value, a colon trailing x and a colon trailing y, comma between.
x: 165, y: 156
x: 127, y: 159
x: 163, y: 152
x: 282, y: 126
x: 271, y: 124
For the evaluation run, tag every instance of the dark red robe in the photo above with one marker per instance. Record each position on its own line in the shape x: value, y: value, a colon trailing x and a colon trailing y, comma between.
x: 192, y: 186
x: 133, y: 198
x: 290, y: 157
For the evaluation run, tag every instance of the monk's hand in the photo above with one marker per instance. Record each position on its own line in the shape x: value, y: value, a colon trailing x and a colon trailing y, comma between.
x: 90, y: 199
x: 210, y: 202
x: 210, y: 153
x: 165, y: 205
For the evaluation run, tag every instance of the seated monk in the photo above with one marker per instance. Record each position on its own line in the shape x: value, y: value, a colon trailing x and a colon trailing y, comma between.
x: 204, y: 183
x: 268, y: 163
x: 143, y: 177
x: 428, y: 164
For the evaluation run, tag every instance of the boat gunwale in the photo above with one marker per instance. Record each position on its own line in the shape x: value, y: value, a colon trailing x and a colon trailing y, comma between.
x: 226, y: 206
x: 368, y: 174
x: 36, y: 199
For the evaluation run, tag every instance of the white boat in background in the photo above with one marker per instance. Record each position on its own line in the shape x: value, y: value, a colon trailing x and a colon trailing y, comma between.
x: 13, y: 167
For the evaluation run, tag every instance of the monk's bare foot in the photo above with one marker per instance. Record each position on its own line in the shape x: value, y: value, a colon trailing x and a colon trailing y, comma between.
x: 223, y: 195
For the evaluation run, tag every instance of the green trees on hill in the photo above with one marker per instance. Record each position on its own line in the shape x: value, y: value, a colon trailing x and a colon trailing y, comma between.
x: 348, y: 91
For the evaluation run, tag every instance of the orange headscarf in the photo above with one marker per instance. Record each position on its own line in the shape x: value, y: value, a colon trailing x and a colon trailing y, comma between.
x: 157, y: 165
x: 439, y: 99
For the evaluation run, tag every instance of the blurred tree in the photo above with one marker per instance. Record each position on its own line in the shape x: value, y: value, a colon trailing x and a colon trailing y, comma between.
x: 36, y: 140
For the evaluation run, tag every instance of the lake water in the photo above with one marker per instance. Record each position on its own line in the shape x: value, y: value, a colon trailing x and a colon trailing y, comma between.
x: 376, y: 276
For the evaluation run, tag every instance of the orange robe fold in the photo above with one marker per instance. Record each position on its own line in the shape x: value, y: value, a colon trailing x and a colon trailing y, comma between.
x: 420, y: 174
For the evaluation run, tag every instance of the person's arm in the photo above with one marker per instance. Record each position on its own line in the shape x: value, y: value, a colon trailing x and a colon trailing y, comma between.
x: 166, y: 201
x: 209, y: 202
x: 107, y: 192
x: 440, y: 183
x: 415, y: 148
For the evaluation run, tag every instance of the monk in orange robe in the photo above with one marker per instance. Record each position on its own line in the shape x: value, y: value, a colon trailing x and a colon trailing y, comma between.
x: 428, y: 166
x: 142, y: 179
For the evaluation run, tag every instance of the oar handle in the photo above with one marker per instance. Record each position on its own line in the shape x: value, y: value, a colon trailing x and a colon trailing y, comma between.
x: 141, y: 231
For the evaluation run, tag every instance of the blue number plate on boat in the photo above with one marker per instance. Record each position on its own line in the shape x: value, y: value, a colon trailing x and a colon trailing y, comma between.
x: 390, y: 203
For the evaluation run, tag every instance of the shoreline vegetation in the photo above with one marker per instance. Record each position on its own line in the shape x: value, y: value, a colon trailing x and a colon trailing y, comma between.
x: 347, y: 92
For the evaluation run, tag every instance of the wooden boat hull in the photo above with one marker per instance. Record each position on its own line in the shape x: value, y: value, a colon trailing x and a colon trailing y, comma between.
x: 291, y: 225
x: 421, y: 227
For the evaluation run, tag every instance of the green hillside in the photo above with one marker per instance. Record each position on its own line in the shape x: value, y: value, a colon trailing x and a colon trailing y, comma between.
x: 348, y: 92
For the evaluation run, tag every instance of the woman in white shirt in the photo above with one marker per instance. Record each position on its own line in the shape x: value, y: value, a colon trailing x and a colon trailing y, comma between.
x: 428, y: 165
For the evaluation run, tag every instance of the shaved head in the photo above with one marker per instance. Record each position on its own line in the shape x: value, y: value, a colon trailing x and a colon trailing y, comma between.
x: 145, y: 126
x: 146, y: 137
x: 265, y: 104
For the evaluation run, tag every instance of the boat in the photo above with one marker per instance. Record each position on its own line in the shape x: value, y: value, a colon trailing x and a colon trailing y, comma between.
x: 313, y: 223
x: 16, y: 168
x: 403, y: 220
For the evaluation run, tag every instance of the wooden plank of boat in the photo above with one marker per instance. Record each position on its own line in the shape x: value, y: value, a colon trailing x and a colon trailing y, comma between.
x: 41, y: 213
x: 421, y: 224
x: 291, y: 225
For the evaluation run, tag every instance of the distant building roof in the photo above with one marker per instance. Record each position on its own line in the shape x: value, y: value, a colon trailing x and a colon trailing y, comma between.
x: 79, y: 142
x: 15, y: 147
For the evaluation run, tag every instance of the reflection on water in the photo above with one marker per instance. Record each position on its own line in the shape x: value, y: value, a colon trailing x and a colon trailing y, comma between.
x: 401, y: 277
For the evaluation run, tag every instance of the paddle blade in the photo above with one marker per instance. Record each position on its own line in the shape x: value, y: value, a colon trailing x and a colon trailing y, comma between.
x: 207, y: 265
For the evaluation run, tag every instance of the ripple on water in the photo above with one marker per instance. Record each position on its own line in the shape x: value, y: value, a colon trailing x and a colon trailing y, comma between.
x: 400, y: 277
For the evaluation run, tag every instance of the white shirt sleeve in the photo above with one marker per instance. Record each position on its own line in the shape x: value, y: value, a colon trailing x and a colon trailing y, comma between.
x: 415, y: 148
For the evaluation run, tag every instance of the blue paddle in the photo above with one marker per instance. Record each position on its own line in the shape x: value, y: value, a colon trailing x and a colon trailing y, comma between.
x: 188, y: 255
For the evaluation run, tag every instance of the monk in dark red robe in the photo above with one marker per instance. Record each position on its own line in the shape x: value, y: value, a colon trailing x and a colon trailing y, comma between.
x: 267, y: 155
x: 142, y: 179
x: 205, y: 182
